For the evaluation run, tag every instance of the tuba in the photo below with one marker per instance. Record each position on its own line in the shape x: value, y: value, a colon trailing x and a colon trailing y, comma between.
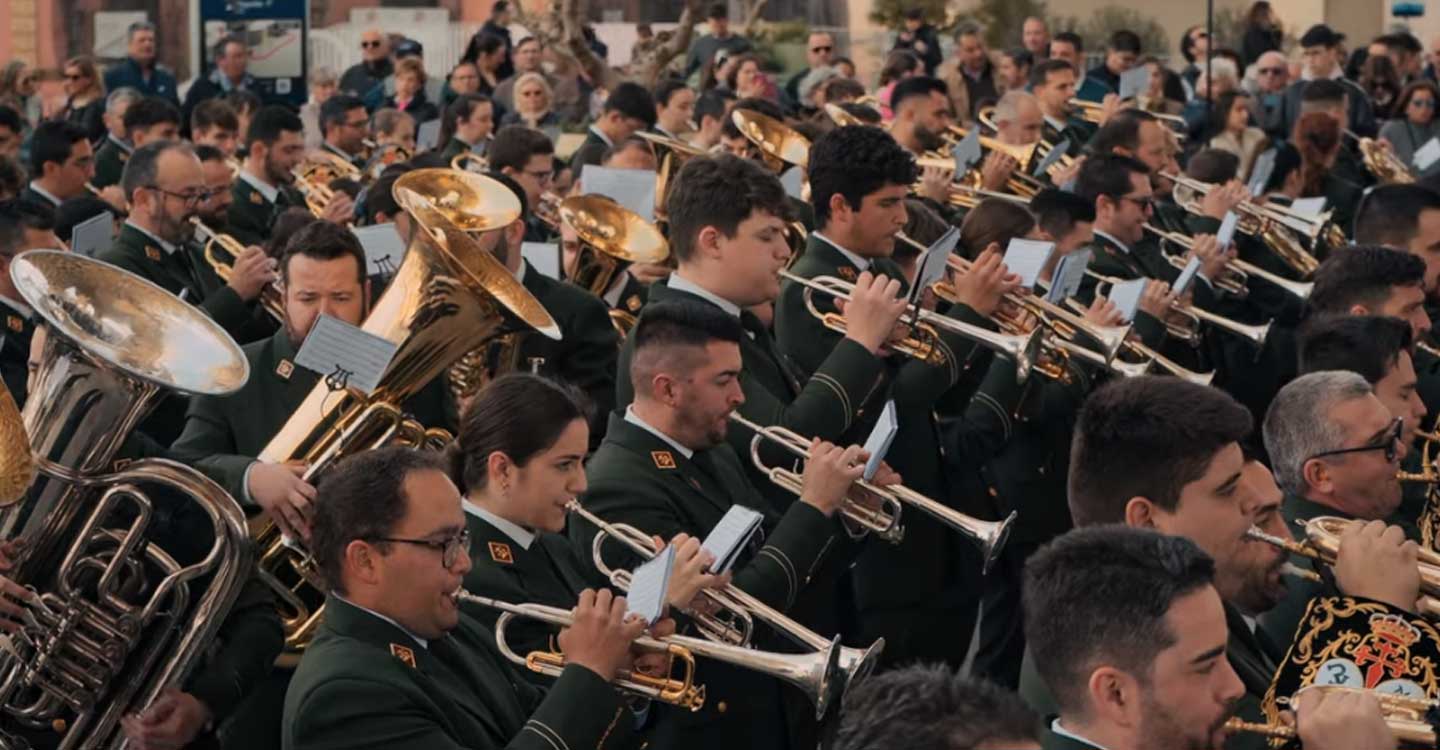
x: 780, y: 145
x: 670, y: 156
x: 117, y: 619
x: 448, y: 296
x: 611, y: 238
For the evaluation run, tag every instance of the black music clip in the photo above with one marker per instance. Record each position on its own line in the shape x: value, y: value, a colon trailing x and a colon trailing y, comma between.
x: 385, y: 267
x: 338, y: 380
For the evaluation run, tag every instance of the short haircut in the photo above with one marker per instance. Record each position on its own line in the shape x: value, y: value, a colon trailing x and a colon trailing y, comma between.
x: 854, y: 162
x: 1007, y: 109
x: 1213, y: 165
x: 1390, y: 214
x: 1058, y: 211
x: 214, y: 113
x: 387, y: 120
x: 668, y: 88
x: 324, y: 240
x: 1100, y: 596
x: 1124, y: 40
x: 244, y: 101
x: 218, y: 51
x: 75, y: 211
x: 461, y: 109
x: 206, y: 152
x: 379, y: 198
x: 363, y: 498
x: 1298, y: 425
x: 334, y: 110
x: 993, y: 220
x: 137, y: 27
x: 268, y: 125
x: 1362, y: 275
x: 1402, y: 41
x: 922, y: 224
x: 1147, y: 437
x: 718, y: 10
x: 290, y: 221
x: 52, y: 140
x: 719, y: 191
x: 143, y: 166
x: 862, y: 112
x: 670, y: 336
x: 1107, y: 175
x: 934, y: 708
x: 916, y: 87
x: 1070, y: 38
x: 149, y: 112
x: 520, y: 415
x: 18, y: 215
x: 125, y: 95
x: 1121, y: 131
x: 632, y: 101
x: 1040, y: 73
x: 11, y: 120
x: 840, y: 87
x: 1020, y: 57
x: 1287, y: 161
x: 1324, y: 92
x: 632, y: 142
x: 713, y: 103
x: 1369, y: 345
x: 514, y: 145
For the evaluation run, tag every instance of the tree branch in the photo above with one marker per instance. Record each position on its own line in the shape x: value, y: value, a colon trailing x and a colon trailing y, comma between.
x: 651, y: 62
x: 753, y: 9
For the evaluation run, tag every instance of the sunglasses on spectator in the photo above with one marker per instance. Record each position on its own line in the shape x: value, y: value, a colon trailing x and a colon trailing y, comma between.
x: 1271, y: 71
x: 1425, y: 103
x: 370, y: 44
x: 825, y: 48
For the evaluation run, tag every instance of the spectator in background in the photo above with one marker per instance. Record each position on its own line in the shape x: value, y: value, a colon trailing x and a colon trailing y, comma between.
x: 746, y: 79
x: 525, y: 58
x: 565, y: 96
x: 712, y: 111
x: 921, y: 38
x: 1432, y: 68
x: 970, y: 75
x: 12, y: 177
x: 1322, y: 50
x: 1231, y: 129
x: 1035, y: 37
x: 498, y: 25
x: 245, y: 104
x: 84, y: 97
x: 467, y: 125
x: 139, y: 70
x: 1013, y: 72
x: 12, y: 132
x: 490, y: 57
x: 1405, y: 52
x: 845, y: 66
x: 812, y: 89
x: 1381, y: 82
x: 842, y: 90
x: 392, y: 127
x: 1414, y: 124
x: 1271, y: 74
x: 1121, y: 54
x: 1263, y: 32
x: 231, y: 58
x: 464, y: 79
x: 532, y: 106
x: 899, y: 65
x: 214, y: 123
x: 374, y: 67
x: 819, y: 51
x: 323, y: 85
x: 628, y: 109
x: 1195, y: 47
x: 1068, y: 46
x: 17, y: 87
x: 409, y: 94
x: 702, y: 50
x: 674, y: 108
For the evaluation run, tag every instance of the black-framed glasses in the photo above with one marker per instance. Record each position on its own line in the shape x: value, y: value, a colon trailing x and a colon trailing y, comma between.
x: 191, y: 199
x: 1423, y: 103
x: 449, y: 548
x: 370, y: 44
x: 1144, y: 204
x: 822, y: 48
x: 1389, y: 443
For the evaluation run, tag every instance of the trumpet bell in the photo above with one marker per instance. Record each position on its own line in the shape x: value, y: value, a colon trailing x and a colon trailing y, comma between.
x: 471, y: 202
x: 17, y: 464
x: 613, y: 229
x: 776, y: 139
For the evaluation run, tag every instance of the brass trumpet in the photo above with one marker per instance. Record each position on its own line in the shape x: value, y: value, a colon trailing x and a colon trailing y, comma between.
x: 1021, y: 182
x: 1150, y: 358
x: 743, y: 609
x: 814, y: 674
x: 215, y: 243
x: 1240, y: 271
x: 1272, y: 224
x: 1381, y: 161
x: 986, y: 116
x: 989, y: 536
x: 923, y: 343
x: 1187, y: 328
x: 1094, y: 112
x: 1322, y: 544
x: 314, y: 175
x: 469, y: 161
x: 1406, y: 717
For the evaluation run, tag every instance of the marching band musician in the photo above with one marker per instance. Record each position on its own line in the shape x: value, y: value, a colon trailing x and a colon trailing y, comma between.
x: 148, y: 120
x: 23, y: 226
x: 528, y: 157
x: 274, y: 147
x: 1053, y: 84
x: 519, y: 458
x: 346, y: 125
x: 396, y: 664
x: 468, y: 123
x: 61, y: 163
x: 214, y: 123
x: 664, y: 468
x: 1407, y: 217
x: 1140, y: 667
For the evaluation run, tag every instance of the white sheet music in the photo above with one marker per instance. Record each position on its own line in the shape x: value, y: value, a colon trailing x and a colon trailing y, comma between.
x: 632, y: 188
x: 383, y: 248
x: 93, y: 235
x: 355, y: 358
x: 1068, y: 275
x: 1026, y: 258
x: 543, y: 257
x: 878, y: 443
x: 1226, y: 235
x: 648, y: 585
x: 932, y: 263
x: 1134, y: 81
x: 730, y: 536
x: 1126, y: 296
x: 427, y: 136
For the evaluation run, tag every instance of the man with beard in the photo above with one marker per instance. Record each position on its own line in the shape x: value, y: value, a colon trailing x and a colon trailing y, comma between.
x: 274, y: 146
x: 1161, y: 453
x: 346, y: 125
x: 1129, y: 627
x: 922, y: 114
x: 1336, y: 449
x: 164, y: 185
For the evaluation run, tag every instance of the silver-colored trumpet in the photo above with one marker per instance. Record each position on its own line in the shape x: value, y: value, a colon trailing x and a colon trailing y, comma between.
x: 989, y: 536
x: 1240, y: 271
x: 815, y: 674
x: 1152, y: 358
x: 1187, y: 328
x: 924, y: 341
x: 854, y: 664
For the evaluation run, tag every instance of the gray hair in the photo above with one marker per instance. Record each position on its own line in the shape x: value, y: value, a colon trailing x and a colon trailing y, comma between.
x: 123, y: 96
x: 137, y: 27
x: 1298, y: 425
x: 143, y: 166
x: 323, y: 74
x: 1008, y: 108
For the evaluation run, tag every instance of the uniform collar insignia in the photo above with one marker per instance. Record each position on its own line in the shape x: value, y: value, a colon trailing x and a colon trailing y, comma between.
x: 404, y: 654
x: 284, y: 369
x: 663, y: 459
x: 500, y: 553
x: 15, y: 323
x: 152, y: 252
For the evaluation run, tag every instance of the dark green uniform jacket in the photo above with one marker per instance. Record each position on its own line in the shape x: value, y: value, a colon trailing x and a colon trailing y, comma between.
x: 1053, y: 741
x: 585, y: 355
x: 455, y: 148
x: 180, y: 272
x: 1077, y: 131
x: 592, y: 151
x: 15, y: 335
x: 355, y: 160
x: 638, y: 479
x: 110, y: 162
x: 365, y: 683
x: 251, y: 215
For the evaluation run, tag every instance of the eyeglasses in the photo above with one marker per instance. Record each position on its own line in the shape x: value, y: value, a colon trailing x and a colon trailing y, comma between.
x: 1144, y: 204
x: 449, y: 548
x: 1424, y: 103
x: 1271, y: 71
x: 825, y: 48
x: 1390, y: 443
x: 358, y: 124
x: 370, y: 44
x: 191, y: 199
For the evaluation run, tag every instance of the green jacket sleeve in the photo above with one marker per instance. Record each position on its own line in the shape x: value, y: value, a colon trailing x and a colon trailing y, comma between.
x: 225, y: 307
x: 208, y: 445
x: 580, y: 710
x: 828, y: 402
x: 250, y: 639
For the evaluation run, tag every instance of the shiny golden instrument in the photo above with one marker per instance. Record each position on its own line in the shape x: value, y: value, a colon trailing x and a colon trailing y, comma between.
x: 382, y: 156
x: 1237, y: 272
x: 1095, y: 112
x: 611, y: 238
x: 966, y: 195
x: 670, y: 157
x: 449, y: 296
x: 986, y: 116
x: 314, y: 175
x: 1020, y: 182
x: 923, y: 342
x: 814, y: 674
x: 118, y: 617
x: 843, y: 119
x: 469, y: 161
x: 235, y: 166
x: 1276, y: 226
x: 1148, y: 356
x: 1185, y: 321
x: 17, y: 464
x: 1407, y: 717
x: 1429, y: 520
x: 736, y: 611
x: 220, y: 252
x: 547, y: 209
x: 780, y: 145
x: 884, y: 516
x: 1387, y: 168
x: 1322, y: 544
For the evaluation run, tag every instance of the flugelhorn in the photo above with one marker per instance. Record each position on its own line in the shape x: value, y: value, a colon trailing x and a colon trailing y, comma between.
x: 855, y: 664
x: 923, y: 343
x: 1322, y: 544
x: 1407, y: 718
x: 815, y: 674
x: 1240, y: 271
x: 989, y: 536
x: 214, y: 244
x: 1187, y: 328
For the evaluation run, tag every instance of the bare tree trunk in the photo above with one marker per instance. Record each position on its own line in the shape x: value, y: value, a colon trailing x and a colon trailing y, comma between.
x: 561, y: 27
x: 650, y: 63
x: 753, y: 9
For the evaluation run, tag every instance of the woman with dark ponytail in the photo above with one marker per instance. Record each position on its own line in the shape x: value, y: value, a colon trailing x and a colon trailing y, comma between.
x: 519, y: 459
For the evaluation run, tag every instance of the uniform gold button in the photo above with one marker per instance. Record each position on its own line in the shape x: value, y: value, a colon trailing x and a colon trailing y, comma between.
x: 992, y: 492
x: 721, y: 707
